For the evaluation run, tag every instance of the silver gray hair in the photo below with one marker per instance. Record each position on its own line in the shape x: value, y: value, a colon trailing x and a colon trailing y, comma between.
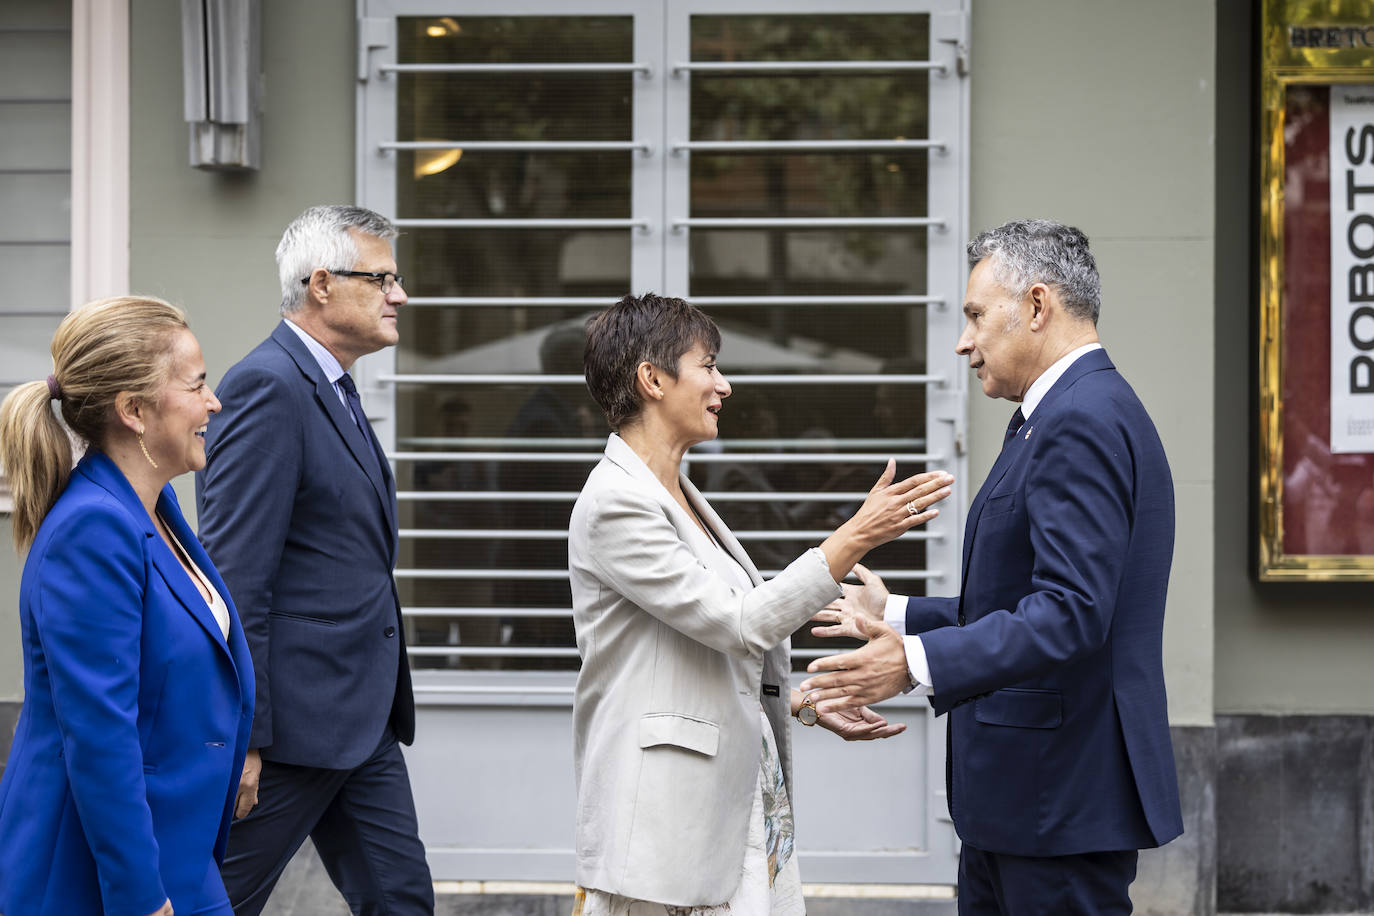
x: 1030, y: 251
x: 319, y: 238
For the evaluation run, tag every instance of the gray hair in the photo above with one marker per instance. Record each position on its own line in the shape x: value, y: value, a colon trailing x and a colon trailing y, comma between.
x: 1030, y: 251
x: 319, y: 238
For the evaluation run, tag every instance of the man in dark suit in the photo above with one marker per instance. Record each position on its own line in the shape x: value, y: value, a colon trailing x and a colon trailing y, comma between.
x: 298, y: 512
x: 1049, y: 661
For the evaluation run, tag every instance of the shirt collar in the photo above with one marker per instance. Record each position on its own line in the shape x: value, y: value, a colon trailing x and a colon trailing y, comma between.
x: 328, y: 364
x: 1041, y: 386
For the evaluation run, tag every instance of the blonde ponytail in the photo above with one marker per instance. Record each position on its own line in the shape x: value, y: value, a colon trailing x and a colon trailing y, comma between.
x: 101, y: 349
x: 36, y: 455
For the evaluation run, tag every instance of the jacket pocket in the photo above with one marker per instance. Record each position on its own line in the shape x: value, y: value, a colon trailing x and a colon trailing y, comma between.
x: 998, y: 505
x: 693, y: 734
x: 1020, y: 707
x: 304, y: 618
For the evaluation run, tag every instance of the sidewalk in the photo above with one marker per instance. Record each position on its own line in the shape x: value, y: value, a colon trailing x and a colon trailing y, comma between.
x: 305, y: 890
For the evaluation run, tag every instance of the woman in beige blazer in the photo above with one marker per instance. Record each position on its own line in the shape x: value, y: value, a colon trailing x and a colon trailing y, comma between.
x: 680, y: 721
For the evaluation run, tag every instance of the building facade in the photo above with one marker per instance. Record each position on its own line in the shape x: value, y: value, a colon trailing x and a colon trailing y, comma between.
x: 543, y: 158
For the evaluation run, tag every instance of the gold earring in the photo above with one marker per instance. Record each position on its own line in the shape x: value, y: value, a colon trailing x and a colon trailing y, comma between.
x: 145, y: 450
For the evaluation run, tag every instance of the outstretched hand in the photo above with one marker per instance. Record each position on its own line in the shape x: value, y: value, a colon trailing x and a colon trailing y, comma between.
x: 869, y: 599
x: 893, y: 508
x: 860, y: 724
x: 889, y: 511
x: 862, y: 677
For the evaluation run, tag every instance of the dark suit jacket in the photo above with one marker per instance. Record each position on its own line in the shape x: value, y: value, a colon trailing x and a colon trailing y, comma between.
x: 1049, y: 662
x: 299, y: 515
x: 121, y: 781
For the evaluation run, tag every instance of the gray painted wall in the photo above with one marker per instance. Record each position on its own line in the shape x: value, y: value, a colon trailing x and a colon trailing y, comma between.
x: 1101, y: 115
x: 205, y: 240
x: 11, y: 666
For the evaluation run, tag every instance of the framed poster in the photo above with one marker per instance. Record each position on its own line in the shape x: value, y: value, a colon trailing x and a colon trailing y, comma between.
x: 1316, y: 366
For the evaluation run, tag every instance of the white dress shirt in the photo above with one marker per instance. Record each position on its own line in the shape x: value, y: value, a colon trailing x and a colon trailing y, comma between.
x: 328, y: 364
x: 918, y: 668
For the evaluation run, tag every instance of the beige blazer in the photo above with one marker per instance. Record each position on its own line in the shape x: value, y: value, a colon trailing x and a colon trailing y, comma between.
x: 676, y: 661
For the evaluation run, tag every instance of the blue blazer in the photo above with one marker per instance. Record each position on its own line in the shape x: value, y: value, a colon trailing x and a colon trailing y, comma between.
x: 1049, y: 662
x: 300, y: 516
x: 121, y: 781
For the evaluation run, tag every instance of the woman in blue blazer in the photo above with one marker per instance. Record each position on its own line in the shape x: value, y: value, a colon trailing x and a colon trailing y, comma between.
x: 138, y: 688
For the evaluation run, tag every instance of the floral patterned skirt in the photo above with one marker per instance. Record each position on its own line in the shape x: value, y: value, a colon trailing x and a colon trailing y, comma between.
x: 770, y: 884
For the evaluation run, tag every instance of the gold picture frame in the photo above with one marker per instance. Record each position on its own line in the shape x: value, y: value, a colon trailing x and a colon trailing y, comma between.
x: 1305, y: 46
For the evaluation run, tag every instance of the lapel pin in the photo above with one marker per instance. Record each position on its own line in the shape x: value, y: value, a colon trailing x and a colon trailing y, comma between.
x: 1029, y: 430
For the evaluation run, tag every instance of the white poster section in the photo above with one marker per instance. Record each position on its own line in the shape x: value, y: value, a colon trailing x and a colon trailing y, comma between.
x: 1352, y: 269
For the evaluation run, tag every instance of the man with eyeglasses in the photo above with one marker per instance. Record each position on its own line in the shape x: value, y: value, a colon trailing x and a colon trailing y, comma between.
x: 298, y: 510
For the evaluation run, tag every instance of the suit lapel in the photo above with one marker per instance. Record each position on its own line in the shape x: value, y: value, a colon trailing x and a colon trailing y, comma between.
x: 179, y: 584
x: 624, y: 457
x: 368, y: 459
x: 1092, y: 361
x: 722, y: 531
x: 1004, y: 461
x: 237, y: 645
x: 355, y: 439
x: 103, y: 472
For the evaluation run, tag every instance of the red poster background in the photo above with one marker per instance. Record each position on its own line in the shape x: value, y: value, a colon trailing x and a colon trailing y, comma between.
x: 1328, y: 500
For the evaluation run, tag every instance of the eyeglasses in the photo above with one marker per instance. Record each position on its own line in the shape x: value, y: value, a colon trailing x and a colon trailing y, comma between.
x: 384, y: 281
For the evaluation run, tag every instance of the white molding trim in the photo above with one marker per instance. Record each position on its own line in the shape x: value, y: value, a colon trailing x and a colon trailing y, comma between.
x: 100, y: 149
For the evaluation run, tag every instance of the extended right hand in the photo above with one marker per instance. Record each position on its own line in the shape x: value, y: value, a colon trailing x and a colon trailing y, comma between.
x: 869, y: 599
x: 889, y: 511
x: 892, y: 509
x: 248, y: 784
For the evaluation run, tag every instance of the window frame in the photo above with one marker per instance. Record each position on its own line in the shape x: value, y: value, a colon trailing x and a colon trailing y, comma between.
x: 660, y: 194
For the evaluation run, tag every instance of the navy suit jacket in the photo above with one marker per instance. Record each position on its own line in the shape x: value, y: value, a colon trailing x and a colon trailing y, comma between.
x: 121, y: 780
x: 299, y: 514
x: 1049, y: 662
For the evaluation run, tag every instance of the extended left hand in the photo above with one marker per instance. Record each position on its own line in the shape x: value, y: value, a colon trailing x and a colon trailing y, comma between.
x: 867, y: 675
x: 861, y: 724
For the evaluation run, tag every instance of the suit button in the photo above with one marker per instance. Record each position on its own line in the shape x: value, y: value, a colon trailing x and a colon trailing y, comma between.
x: 389, y: 632
x: 961, y: 618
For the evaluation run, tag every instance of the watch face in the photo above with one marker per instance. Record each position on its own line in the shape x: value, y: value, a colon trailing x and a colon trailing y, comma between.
x: 808, y: 715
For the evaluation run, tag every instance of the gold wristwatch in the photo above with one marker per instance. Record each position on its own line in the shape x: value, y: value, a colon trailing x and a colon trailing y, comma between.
x: 806, y: 713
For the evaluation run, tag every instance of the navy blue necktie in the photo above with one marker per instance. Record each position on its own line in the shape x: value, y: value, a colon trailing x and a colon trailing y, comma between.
x: 1017, y: 419
x: 355, y: 407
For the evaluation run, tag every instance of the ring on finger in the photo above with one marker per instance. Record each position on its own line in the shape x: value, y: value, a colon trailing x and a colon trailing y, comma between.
x: 911, y: 508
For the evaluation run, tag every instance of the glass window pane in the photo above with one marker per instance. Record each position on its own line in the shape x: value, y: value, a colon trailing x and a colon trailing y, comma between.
x: 774, y: 421
x: 504, y: 519
x: 515, y: 106
x: 813, y: 37
x: 470, y: 184
x: 1320, y: 487
x: 833, y: 184
x: 810, y: 262
x: 810, y: 105
x: 515, y: 262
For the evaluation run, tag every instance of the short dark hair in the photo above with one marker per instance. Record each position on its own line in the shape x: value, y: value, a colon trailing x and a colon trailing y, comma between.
x: 1030, y: 251
x: 637, y: 329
